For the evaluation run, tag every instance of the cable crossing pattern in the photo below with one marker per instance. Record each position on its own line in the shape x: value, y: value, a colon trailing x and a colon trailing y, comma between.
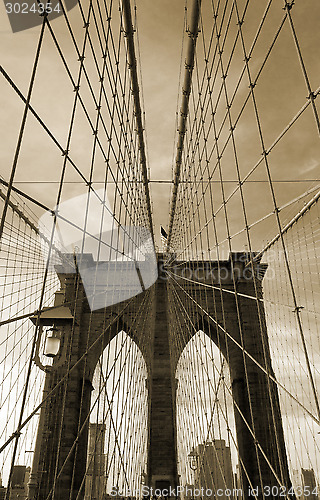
x: 134, y: 368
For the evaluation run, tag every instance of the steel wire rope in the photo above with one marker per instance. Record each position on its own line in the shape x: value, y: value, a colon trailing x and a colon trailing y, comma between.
x: 83, y: 424
x: 58, y: 473
x: 284, y: 248
x: 114, y: 101
x: 61, y: 53
x: 221, y: 377
x: 216, y: 73
x: 244, y: 213
x: 261, y: 159
x: 194, y: 148
x: 62, y: 379
x: 207, y: 233
x: 112, y: 421
x: 252, y: 432
x: 250, y: 357
x: 23, y: 124
x: 311, y: 95
x: 86, y: 215
x: 269, y: 52
x: 208, y: 79
x: 205, y: 285
x: 227, y: 225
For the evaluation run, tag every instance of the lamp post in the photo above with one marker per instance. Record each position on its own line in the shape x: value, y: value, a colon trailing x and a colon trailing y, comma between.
x: 53, y: 343
x: 193, y: 461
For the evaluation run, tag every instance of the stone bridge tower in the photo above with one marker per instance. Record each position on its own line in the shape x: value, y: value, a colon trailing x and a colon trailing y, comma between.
x: 65, y: 412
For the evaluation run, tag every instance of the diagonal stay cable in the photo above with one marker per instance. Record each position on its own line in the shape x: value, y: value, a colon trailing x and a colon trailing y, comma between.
x: 248, y: 354
x: 23, y: 423
x: 23, y: 124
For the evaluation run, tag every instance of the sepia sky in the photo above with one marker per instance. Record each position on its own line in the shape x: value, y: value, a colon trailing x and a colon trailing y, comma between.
x: 280, y: 95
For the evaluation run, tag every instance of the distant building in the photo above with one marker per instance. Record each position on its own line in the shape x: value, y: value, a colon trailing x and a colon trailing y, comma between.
x: 95, y: 483
x: 296, y: 480
x: 215, y: 469
x: 237, y: 478
x: 19, y: 481
x: 2, y: 490
x: 309, y: 482
x: 305, y: 478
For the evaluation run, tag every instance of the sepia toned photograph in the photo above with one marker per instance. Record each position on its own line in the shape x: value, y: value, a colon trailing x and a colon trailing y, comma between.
x: 160, y: 250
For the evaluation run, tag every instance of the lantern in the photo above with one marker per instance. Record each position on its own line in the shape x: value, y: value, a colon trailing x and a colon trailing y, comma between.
x: 52, y: 342
x: 193, y: 459
x: 59, y: 320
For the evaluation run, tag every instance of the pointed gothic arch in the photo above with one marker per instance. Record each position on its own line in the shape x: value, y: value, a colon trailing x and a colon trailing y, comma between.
x: 204, y: 405
x: 118, y: 428
x: 235, y: 322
